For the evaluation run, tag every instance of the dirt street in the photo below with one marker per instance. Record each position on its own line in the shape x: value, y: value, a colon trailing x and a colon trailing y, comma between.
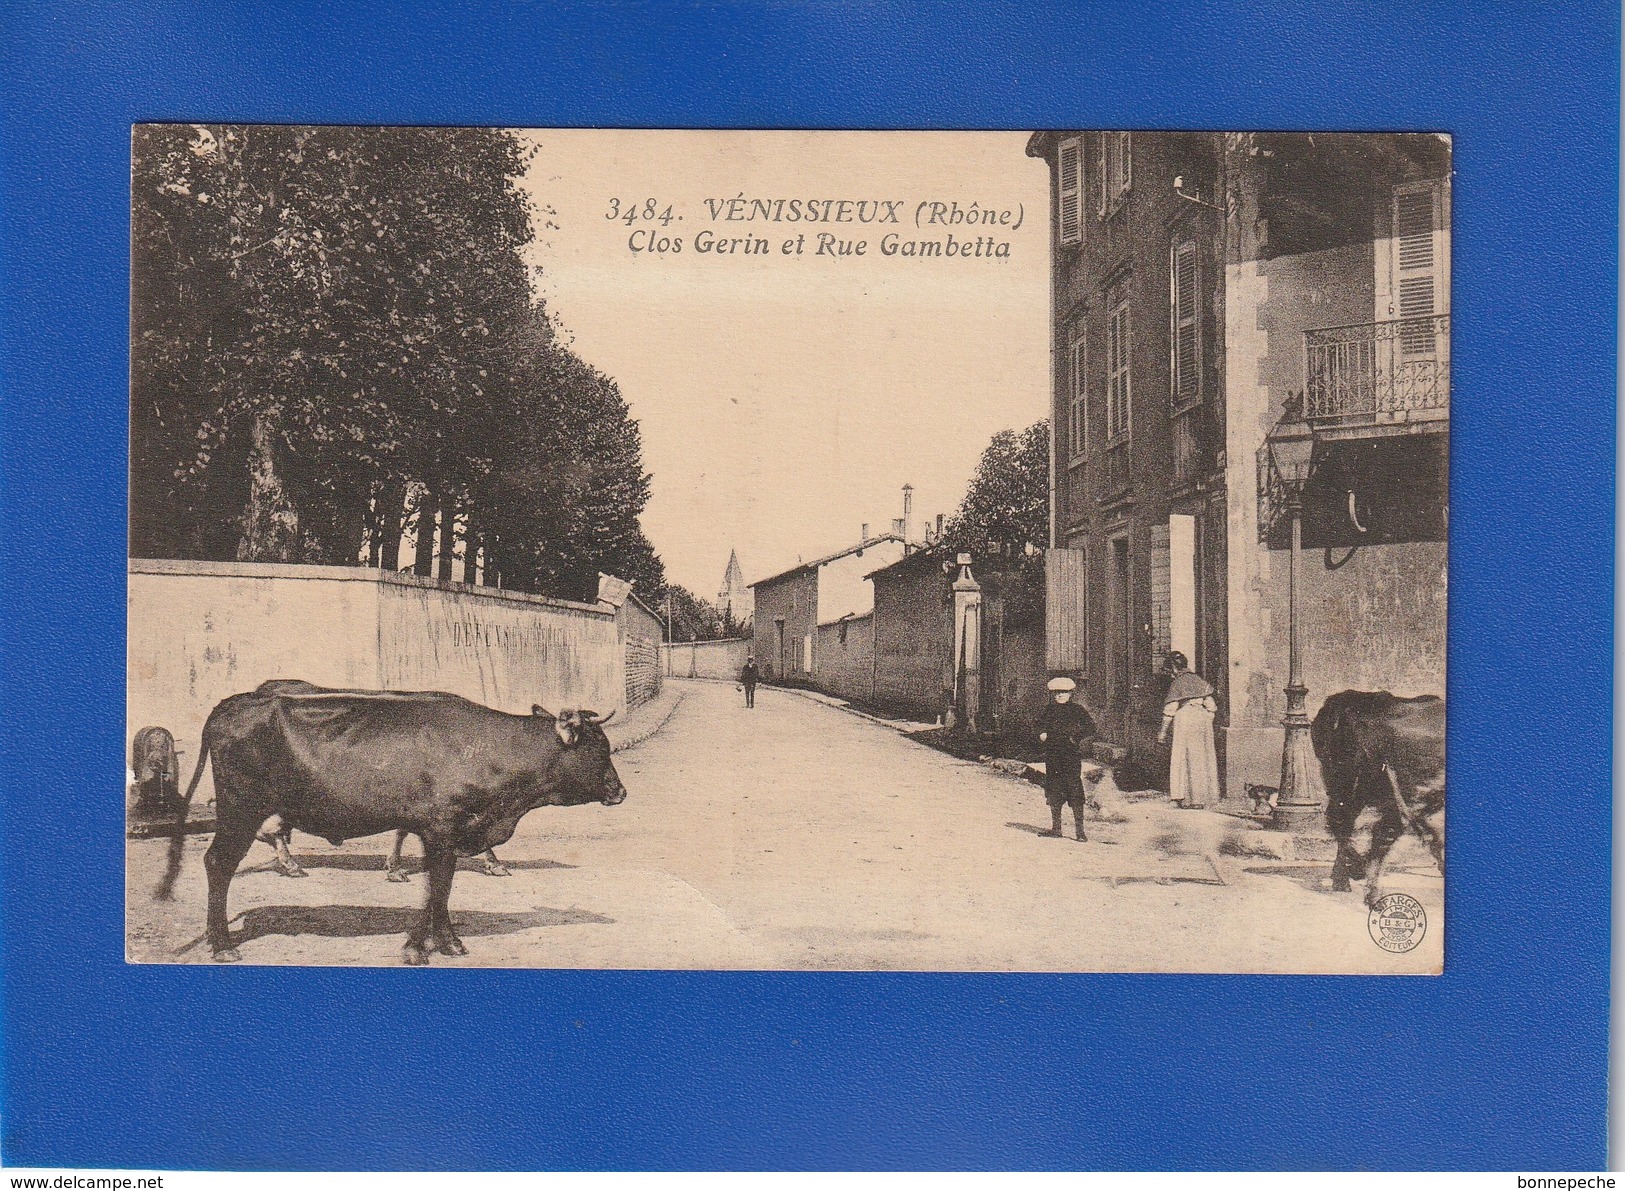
x: 801, y: 836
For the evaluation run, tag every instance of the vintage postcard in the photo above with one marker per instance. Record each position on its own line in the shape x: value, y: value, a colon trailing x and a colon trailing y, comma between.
x: 1005, y: 551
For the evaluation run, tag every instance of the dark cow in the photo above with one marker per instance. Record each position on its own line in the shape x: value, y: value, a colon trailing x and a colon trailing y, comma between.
x: 342, y: 764
x: 1382, y: 753
x: 280, y: 836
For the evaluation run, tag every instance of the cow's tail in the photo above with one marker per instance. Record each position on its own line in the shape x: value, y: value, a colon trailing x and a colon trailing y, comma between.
x: 177, y: 840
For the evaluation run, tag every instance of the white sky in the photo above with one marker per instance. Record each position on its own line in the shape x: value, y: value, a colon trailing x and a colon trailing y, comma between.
x: 785, y: 400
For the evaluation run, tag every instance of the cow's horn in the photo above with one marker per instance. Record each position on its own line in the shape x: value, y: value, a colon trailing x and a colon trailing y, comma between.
x: 601, y: 720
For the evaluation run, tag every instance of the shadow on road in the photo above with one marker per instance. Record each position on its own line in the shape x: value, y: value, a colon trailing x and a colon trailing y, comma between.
x: 355, y: 922
x: 1029, y: 828
x: 375, y: 864
x: 1316, y: 878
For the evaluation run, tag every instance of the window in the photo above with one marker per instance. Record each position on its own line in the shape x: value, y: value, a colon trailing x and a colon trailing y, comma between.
x: 1077, y: 392
x: 1069, y: 183
x: 1418, y: 284
x: 1116, y: 169
x: 1185, y: 328
x: 1118, y: 396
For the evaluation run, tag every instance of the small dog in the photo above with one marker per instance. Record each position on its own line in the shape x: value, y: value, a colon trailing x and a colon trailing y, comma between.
x: 1264, y: 798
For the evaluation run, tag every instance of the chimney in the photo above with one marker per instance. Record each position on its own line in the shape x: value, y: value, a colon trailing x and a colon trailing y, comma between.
x: 908, y: 514
x: 939, y: 527
x: 863, y: 534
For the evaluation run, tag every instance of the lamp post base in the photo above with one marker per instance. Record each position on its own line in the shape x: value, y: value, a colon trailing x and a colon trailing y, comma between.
x: 1301, y: 803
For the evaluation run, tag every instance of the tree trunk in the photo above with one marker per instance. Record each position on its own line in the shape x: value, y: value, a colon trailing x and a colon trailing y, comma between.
x: 428, y: 513
x: 374, y: 529
x: 391, y: 512
x: 270, y: 522
x: 448, y: 538
x: 471, y: 546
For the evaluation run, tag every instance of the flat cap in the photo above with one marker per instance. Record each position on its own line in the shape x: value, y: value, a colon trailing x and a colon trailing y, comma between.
x: 1062, y: 684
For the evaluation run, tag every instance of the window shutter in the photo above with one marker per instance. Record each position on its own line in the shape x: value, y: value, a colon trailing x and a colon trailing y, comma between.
x: 1186, y: 373
x: 1161, y: 594
x: 1105, y: 174
x: 1117, y: 372
x: 1112, y: 350
x: 1078, y: 424
x: 1066, y: 592
x: 1416, y: 265
x: 1069, y: 168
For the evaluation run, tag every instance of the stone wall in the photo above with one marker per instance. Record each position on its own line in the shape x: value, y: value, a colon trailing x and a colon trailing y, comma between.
x: 640, y: 645
x: 844, y: 658
x: 199, y: 632
x: 705, y: 659
x: 913, y: 638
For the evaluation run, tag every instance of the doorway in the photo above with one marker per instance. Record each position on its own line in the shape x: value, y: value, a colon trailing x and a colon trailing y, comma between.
x: 1121, y: 622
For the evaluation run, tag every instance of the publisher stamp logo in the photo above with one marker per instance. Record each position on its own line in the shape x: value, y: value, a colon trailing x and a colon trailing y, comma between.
x: 1397, y: 922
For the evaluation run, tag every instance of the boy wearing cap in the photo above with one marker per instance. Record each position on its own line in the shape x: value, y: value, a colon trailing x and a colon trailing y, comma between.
x: 1065, y: 730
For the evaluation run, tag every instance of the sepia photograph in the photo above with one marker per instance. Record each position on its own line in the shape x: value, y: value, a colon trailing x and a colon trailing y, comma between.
x: 1008, y: 551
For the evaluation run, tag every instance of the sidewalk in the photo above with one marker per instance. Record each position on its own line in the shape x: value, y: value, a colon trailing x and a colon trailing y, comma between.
x: 635, y: 726
x: 1222, y: 830
x: 905, y: 726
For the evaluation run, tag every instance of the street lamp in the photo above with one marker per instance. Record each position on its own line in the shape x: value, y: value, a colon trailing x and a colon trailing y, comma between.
x: 1285, y: 463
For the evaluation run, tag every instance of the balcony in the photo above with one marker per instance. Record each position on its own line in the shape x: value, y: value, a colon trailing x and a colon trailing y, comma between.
x: 1372, y: 379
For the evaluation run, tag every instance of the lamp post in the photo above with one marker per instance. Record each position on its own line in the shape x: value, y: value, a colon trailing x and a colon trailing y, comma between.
x: 1288, y: 459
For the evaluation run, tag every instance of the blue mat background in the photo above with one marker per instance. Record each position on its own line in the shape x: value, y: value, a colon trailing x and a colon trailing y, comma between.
x: 1499, y: 1063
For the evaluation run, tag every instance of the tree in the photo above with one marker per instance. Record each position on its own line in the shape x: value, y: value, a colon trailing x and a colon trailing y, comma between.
x: 692, y: 617
x: 316, y: 312
x: 334, y: 343
x: 566, y: 484
x: 1006, y: 511
x: 1006, y: 506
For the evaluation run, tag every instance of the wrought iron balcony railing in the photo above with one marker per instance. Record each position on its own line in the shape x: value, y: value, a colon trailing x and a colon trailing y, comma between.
x: 1387, y: 377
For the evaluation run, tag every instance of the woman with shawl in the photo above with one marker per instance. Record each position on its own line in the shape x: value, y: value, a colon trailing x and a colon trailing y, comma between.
x: 1188, y: 710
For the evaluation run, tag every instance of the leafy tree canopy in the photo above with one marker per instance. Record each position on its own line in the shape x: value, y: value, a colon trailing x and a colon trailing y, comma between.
x: 334, y: 341
x: 694, y: 618
x: 1006, y: 506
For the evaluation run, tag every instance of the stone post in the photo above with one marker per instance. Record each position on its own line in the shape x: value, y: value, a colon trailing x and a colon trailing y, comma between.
x: 967, y: 643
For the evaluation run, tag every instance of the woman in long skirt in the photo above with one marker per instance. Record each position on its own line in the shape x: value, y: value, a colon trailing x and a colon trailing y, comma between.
x: 1187, y: 712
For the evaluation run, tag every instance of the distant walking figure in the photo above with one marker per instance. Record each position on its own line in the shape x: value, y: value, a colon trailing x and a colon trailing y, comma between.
x: 1065, y: 730
x: 1188, y: 711
x: 750, y: 676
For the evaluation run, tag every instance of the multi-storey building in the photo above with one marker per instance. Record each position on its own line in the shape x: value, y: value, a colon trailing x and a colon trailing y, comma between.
x: 1205, y: 286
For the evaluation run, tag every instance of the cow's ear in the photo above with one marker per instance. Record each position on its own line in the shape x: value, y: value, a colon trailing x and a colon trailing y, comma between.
x: 568, y: 726
x: 538, y: 709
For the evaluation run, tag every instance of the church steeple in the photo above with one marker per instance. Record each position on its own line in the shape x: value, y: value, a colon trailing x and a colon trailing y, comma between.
x: 734, y: 600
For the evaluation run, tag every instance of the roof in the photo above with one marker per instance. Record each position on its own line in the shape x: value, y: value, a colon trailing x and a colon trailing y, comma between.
x: 983, y: 565
x: 935, y: 553
x: 829, y: 558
